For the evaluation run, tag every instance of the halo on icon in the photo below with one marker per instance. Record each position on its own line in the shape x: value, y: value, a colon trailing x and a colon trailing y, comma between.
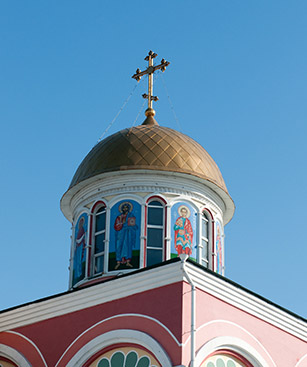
x: 125, y: 203
x: 186, y: 208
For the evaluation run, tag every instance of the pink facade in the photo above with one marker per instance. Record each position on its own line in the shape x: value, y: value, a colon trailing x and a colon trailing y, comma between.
x: 154, y: 318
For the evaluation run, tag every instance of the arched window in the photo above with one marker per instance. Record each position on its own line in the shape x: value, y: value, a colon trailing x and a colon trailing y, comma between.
x: 108, y: 348
x: 205, y: 240
x: 155, y: 232
x: 125, y: 356
x: 11, y: 357
x: 99, y: 237
x: 4, y: 362
x: 225, y: 359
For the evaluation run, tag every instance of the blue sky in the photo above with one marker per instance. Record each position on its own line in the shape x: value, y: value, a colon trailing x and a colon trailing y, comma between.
x: 238, y: 85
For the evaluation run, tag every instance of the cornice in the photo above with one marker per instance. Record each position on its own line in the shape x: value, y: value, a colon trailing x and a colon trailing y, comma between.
x: 151, y: 278
x: 133, y: 182
x: 114, y: 289
x: 247, y: 301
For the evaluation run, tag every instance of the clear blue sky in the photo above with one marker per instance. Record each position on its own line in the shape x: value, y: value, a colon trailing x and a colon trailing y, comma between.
x: 238, y: 84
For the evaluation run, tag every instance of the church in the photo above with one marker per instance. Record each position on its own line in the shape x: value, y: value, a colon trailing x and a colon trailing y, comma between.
x: 148, y: 207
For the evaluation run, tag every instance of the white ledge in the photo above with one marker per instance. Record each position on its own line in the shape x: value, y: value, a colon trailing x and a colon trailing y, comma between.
x: 150, y: 279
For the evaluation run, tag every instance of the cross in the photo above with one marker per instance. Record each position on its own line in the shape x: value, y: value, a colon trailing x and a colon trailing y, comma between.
x: 150, y: 70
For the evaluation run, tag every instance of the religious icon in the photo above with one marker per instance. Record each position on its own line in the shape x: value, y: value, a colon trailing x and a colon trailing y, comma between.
x: 125, y: 236
x: 183, y: 231
x: 80, y: 249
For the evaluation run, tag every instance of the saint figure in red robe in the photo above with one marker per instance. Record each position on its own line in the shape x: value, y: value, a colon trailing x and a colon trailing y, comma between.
x: 183, y: 232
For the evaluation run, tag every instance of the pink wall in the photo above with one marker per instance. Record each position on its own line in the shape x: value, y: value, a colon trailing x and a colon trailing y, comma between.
x: 170, y: 306
x: 215, y: 318
x: 164, y: 304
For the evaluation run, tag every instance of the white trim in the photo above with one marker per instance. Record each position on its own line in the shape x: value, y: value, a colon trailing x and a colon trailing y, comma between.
x: 122, y: 315
x: 216, y: 221
x: 168, y: 238
x: 241, y: 329
x: 187, y: 199
x: 233, y: 344
x: 101, y: 200
x: 247, y: 302
x: 119, y: 336
x: 92, y: 240
x: 210, y: 240
x: 143, y: 238
x: 300, y: 361
x: 150, y: 279
x: 119, y: 287
x: 13, y: 355
x: 159, y: 198
x: 89, y: 221
x: 124, y: 182
x: 71, y: 263
x: 125, y: 197
x: 164, y: 200
x: 107, y: 241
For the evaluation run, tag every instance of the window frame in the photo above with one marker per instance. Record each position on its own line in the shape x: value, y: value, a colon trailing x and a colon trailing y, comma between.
x: 207, y: 216
x: 222, y: 244
x: 230, y: 354
x: 163, y: 227
x: 92, y: 256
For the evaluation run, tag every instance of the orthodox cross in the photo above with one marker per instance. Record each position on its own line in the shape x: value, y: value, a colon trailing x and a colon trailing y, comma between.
x: 150, y: 70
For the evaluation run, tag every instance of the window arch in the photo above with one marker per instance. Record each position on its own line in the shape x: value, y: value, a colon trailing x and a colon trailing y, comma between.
x: 225, y: 358
x: 232, y: 346
x: 155, y: 231
x: 10, y: 357
x: 205, y: 243
x: 86, y: 353
x: 98, y: 241
x: 5, y: 362
x: 124, y: 355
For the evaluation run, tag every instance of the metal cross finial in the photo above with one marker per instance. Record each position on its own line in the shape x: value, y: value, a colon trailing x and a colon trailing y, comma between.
x: 150, y: 70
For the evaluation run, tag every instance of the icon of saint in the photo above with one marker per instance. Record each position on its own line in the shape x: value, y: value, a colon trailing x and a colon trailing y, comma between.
x: 80, y: 245
x: 183, y: 232
x: 125, y: 235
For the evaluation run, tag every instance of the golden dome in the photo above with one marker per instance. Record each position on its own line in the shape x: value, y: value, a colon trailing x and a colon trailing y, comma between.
x: 151, y: 147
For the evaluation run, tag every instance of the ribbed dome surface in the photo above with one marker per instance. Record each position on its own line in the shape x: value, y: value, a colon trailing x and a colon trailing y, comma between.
x: 150, y: 147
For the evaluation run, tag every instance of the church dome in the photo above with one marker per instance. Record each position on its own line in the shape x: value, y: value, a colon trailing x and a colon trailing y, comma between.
x: 144, y: 195
x: 149, y: 147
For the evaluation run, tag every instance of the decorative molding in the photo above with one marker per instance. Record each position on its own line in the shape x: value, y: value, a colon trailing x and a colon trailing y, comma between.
x: 152, y: 190
x: 117, y: 288
x: 119, y: 336
x: 173, y: 183
x: 233, y: 344
x: 151, y: 279
x: 300, y: 361
x: 13, y: 355
x: 247, y: 302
